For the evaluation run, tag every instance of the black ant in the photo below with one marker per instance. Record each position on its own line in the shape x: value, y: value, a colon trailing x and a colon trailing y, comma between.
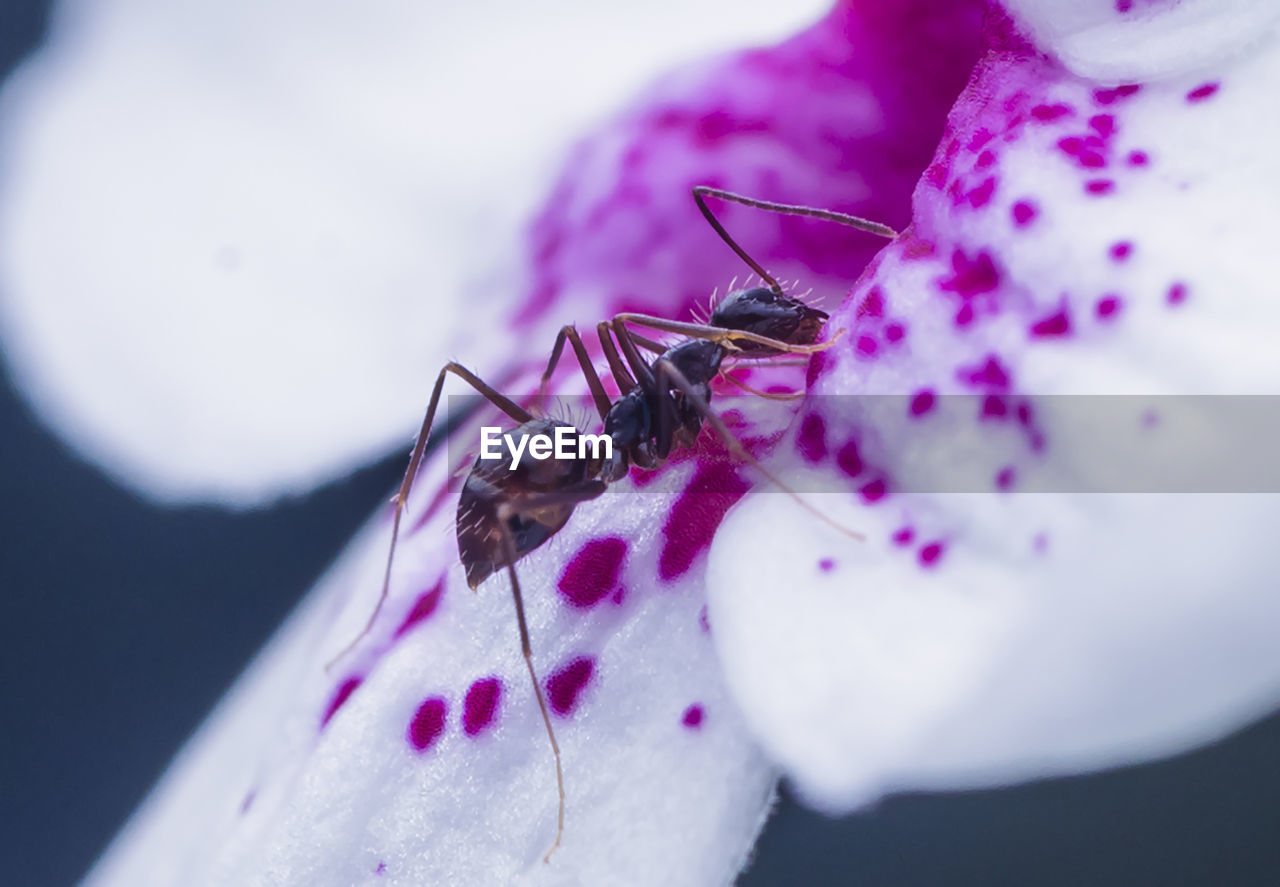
x: 506, y: 512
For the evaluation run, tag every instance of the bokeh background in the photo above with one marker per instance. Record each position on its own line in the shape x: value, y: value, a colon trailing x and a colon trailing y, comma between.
x: 122, y: 623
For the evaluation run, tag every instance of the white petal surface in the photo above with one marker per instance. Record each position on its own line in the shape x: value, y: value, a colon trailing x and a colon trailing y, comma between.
x: 1068, y: 240
x: 269, y: 793
x: 236, y: 238
x: 1127, y: 40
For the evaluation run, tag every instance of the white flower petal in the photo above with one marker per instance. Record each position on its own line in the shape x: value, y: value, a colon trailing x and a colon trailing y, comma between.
x: 237, y: 238
x: 303, y: 778
x: 1069, y: 240
x: 1127, y: 40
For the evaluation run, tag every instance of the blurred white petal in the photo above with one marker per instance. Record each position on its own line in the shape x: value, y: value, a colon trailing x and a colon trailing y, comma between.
x: 237, y: 238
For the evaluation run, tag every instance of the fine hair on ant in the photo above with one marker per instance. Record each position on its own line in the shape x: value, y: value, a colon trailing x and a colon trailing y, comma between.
x: 508, y: 508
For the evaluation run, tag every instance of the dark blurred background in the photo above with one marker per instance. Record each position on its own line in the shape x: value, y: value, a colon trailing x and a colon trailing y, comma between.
x: 121, y: 624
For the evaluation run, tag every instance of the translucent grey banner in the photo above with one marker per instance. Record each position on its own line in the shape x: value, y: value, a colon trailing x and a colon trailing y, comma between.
x: 923, y: 443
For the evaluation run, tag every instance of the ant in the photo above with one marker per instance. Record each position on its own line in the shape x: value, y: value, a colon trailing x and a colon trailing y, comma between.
x: 506, y: 512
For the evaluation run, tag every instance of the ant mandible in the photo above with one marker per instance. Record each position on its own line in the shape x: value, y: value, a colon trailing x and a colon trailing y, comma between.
x: 504, y: 513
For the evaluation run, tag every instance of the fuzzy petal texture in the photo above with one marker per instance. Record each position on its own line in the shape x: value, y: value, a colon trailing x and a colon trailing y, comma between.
x: 1070, y: 238
x: 422, y: 758
x: 237, y: 239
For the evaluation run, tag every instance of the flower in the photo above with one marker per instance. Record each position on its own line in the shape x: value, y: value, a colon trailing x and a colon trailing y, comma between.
x: 972, y: 638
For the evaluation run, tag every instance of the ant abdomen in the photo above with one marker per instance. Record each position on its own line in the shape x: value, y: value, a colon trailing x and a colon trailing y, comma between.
x: 524, y: 491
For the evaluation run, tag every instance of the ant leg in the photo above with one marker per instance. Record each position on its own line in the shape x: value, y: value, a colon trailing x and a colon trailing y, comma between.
x: 668, y: 374
x: 598, y: 395
x: 721, y: 335
x: 512, y: 409
x: 701, y: 192
x: 589, y: 490
x: 621, y: 377
x: 794, y: 395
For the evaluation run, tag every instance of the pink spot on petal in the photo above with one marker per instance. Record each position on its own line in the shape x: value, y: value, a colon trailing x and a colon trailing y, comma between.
x: 866, y: 346
x: 1121, y: 251
x: 693, y: 520
x: 1202, y: 92
x: 1107, y: 307
x: 1099, y: 187
x: 340, y: 697
x: 971, y: 277
x: 993, y: 407
x: 848, y: 460
x: 922, y: 402
x: 930, y: 554
x: 703, y: 621
x: 593, y: 572
x: 692, y: 717
x: 873, y: 491
x: 981, y: 195
x: 1049, y: 113
x: 481, y: 705
x: 1111, y: 96
x: 1103, y: 124
x: 1023, y: 213
x: 904, y: 536
x: 422, y: 608
x: 990, y: 374
x: 1056, y: 324
x: 894, y: 332
x: 427, y: 724
x: 1123, y: 6
x: 826, y: 565
x: 1004, y: 480
x: 1138, y: 158
x: 811, y: 440
x: 1177, y: 294
x: 566, y: 684
x: 873, y: 304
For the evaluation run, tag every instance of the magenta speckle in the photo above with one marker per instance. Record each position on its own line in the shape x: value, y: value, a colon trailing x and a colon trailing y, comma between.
x: 1111, y: 96
x: 1056, y: 324
x: 971, y: 277
x: 981, y: 195
x: 990, y: 374
x: 930, y: 554
x: 894, y: 332
x: 965, y: 315
x: 340, y: 697
x: 1177, y: 294
x: 812, y: 440
x: 985, y: 160
x: 904, y: 536
x: 381, y: 869
x: 1103, y: 124
x: 593, y: 572
x: 481, y: 705
x: 1138, y: 158
x: 1108, y: 307
x: 826, y: 565
x: 873, y: 491
x: 567, y: 683
x: 704, y: 622
x: 1202, y: 92
x: 1123, y: 6
x: 922, y: 402
x: 692, y: 717
x: 1024, y: 212
x: 993, y: 407
x: 422, y: 608
x: 848, y: 460
x: 817, y: 366
x: 873, y: 304
x: 1005, y: 478
x: 696, y: 515
x: 427, y: 725
x: 866, y: 346
x: 1099, y: 187
x: 1121, y: 251
x: 1049, y: 113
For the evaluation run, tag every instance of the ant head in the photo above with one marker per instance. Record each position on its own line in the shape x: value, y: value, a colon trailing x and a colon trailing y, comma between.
x: 770, y: 313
